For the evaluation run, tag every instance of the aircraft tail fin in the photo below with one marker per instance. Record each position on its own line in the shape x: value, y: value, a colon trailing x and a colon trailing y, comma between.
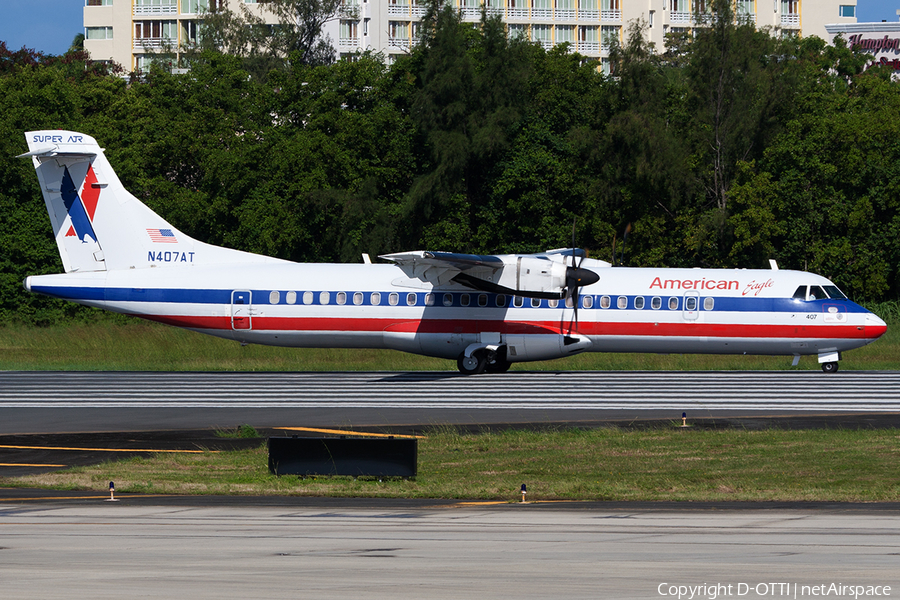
x: 98, y: 224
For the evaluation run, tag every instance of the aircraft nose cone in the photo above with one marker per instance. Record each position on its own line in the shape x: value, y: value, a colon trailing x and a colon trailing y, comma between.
x: 581, y: 277
x: 875, y: 326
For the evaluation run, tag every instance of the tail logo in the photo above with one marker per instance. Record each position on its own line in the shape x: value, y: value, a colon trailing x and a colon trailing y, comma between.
x: 162, y: 236
x: 81, y: 209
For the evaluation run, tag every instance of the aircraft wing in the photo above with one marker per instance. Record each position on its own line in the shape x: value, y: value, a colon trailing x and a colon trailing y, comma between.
x: 439, y: 268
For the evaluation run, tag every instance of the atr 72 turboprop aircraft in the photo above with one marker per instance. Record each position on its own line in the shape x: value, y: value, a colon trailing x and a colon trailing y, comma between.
x: 484, y: 311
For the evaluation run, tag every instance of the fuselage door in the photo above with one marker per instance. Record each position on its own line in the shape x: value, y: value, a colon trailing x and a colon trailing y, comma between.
x: 691, y: 307
x: 240, y: 309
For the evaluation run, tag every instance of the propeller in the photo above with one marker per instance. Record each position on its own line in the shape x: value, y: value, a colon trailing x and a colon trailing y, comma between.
x: 577, y: 277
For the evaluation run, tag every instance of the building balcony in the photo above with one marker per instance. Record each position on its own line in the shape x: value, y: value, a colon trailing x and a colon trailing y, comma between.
x: 349, y: 42
x: 154, y: 43
x: 350, y: 11
x: 400, y: 10
x: 541, y: 14
x: 170, y: 9
x: 517, y: 13
x: 564, y: 15
x: 790, y: 20
x: 402, y: 43
x: 589, y: 47
x: 677, y: 18
x: 471, y: 12
x: 611, y: 15
x: 591, y: 15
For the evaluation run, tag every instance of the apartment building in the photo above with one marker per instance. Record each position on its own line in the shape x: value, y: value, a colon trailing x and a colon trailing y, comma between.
x: 136, y: 32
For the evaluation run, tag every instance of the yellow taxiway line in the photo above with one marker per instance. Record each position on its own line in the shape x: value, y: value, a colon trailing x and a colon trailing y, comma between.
x: 28, y: 465
x: 345, y: 432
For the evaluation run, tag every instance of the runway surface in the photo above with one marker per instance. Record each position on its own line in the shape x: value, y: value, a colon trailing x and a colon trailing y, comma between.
x: 94, y: 401
x: 304, y: 548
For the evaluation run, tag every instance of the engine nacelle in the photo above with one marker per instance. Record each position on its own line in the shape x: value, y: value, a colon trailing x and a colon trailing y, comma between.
x: 532, y: 274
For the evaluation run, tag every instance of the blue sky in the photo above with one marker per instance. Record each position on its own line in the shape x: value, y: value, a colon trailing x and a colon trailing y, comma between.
x: 50, y: 25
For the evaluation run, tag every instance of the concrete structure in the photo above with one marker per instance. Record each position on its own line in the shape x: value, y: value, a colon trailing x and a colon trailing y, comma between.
x: 134, y: 32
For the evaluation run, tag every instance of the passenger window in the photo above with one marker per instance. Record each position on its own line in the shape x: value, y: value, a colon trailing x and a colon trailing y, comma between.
x: 518, y: 301
x: 342, y: 298
x: 656, y: 303
x: 274, y: 297
x: 429, y: 299
x: 501, y: 300
x: 673, y: 303
x: 816, y: 293
x: 357, y: 298
x: 411, y: 299
x: 448, y: 299
x: 639, y: 302
x: 604, y: 301
x: 690, y: 303
x: 553, y: 303
x: 307, y: 297
x: 291, y: 297
x: 535, y: 302
x: 800, y: 294
x: 482, y: 299
x: 622, y: 302
x: 375, y: 298
x: 570, y: 302
x: 324, y: 298
x: 708, y: 303
x: 464, y: 300
x: 587, y: 301
x: 394, y: 299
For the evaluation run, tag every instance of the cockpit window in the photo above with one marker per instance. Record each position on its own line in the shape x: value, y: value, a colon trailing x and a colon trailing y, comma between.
x: 800, y: 294
x: 835, y: 293
x: 816, y: 293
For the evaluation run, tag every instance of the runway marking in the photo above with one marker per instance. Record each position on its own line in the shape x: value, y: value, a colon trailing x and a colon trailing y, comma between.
x: 102, y: 497
x: 359, y: 433
x: 108, y: 449
x: 28, y: 465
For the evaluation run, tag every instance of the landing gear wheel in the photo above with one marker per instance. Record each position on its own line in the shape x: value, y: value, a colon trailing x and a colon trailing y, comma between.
x: 830, y: 367
x: 498, y: 366
x: 471, y: 365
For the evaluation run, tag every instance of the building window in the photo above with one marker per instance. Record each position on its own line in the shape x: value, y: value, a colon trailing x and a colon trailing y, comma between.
x: 194, y: 7
x: 98, y: 33
x: 98, y: 3
x: 541, y: 34
x: 565, y: 33
x: 847, y: 10
x: 349, y: 30
x: 609, y: 35
x: 745, y: 7
x: 514, y: 31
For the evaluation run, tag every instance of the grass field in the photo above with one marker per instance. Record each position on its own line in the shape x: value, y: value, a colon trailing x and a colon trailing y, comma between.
x: 143, y: 346
x: 600, y: 464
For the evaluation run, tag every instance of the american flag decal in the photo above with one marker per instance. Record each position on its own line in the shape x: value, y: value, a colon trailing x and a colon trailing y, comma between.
x: 162, y: 236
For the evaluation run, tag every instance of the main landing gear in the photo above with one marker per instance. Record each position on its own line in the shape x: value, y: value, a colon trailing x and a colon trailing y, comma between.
x: 492, y: 361
x: 830, y: 367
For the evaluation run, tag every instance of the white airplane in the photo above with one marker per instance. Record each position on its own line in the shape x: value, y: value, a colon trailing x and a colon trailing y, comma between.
x: 484, y: 311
